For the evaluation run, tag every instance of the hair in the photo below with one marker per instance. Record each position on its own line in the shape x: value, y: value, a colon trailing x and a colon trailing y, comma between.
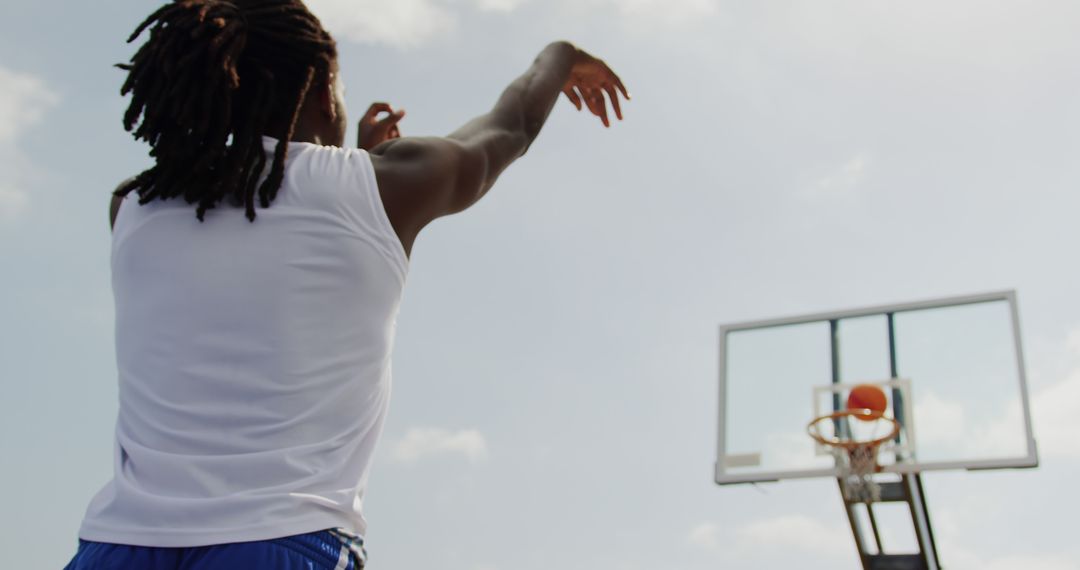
x: 212, y: 79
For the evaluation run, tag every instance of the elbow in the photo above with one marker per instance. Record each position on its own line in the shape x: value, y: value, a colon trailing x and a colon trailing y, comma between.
x: 524, y: 139
x: 529, y: 134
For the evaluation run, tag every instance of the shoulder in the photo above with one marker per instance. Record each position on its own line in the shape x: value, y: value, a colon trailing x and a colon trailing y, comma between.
x: 428, y: 170
x: 418, y: 156
x: 117, y: 200
x: 415, y: 177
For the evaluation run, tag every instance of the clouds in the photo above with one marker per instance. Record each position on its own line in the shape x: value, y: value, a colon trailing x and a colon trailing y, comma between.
x: 951, y: 430
x: 424, y: 443
x: 798, y: 532
x: 1057, y: 417
x: 842, y: 183
x: 960, y: 548
x: 498, y: 5
x: 401, y: 23
x: 411, y: 24
x: 662, y: 12
x: 788, y: 534
x: 1042, y: 562
x: 1056, y: 407
x: 23, y: 102
x: 786, y: 539
x: 707, y: 535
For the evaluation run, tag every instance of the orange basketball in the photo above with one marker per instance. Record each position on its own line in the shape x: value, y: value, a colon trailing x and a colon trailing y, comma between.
x: 867, y: 397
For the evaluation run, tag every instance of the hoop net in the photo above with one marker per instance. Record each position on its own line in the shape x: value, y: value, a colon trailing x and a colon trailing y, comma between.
x: 855, y: 446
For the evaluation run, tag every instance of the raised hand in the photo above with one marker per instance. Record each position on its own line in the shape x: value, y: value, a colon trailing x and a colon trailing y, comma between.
x: 590, y: 79
x: 374, y: 131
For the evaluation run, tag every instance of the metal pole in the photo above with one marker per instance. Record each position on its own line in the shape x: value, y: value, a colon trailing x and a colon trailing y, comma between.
x: 834, y: 347
x: 897, y: 395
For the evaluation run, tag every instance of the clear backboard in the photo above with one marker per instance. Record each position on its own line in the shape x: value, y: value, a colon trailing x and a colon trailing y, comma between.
x: 953, y: 370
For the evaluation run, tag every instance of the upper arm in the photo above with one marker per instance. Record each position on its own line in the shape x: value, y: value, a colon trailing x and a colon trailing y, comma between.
x: 423, y: 178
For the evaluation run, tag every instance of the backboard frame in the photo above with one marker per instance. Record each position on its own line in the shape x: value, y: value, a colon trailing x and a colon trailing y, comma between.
x: 1029, y: 460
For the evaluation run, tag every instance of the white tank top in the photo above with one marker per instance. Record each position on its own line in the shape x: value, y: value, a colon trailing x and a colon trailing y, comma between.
x: 253, y: 359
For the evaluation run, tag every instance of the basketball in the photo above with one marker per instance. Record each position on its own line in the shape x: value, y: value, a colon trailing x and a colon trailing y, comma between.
x: 867, y: 397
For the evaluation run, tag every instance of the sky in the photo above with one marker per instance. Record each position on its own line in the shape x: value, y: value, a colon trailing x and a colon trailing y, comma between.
x: 556, y: 362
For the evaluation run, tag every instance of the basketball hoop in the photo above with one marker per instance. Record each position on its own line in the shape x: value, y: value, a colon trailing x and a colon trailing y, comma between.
x: 855, y: 451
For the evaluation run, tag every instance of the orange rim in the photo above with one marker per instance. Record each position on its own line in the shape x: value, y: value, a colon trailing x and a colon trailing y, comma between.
x: 862, y: 414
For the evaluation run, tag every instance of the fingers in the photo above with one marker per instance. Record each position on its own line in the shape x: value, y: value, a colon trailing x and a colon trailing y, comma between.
x: 373, y: 130
x: 618, y: 83
x: 613, y: 82
x: 387, y: 127
x: 610, y: 89
x: 613, y: 78
x: 594, y: 99
x: 572, y: 96
x: 622, y: 88
x: 594, y: 84
x: 375, y: 109
x: 390, y: 120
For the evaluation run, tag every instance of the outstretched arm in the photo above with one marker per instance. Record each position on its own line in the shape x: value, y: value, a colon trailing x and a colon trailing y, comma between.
x: 424, y: 178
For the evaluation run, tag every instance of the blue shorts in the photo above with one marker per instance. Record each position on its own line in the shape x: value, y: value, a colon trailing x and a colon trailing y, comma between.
x: 323, y: 550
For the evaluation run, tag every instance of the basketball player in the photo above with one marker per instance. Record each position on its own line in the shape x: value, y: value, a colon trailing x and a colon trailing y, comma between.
x: 257, y: 270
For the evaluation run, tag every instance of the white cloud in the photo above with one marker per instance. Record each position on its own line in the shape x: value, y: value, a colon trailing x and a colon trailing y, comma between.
x: 668, y: 11
x: 940, y: 423
x: 653, y: 13
x: 707, y: 535
x: 842, y: 182
x: 421, y: 443
x: 1056, y: 407
x: 23, y: 102
x: 498, y: 5
x: 1055, y: 414
x: 964, y: 557
x: 947, y: 432
x: 799, y: 533
x: 1040, y: 562
x: 401, y: 23
x: 793, y: 451
x: 1000, y: 34
x: 412, y: 23
x: 794, y: 533
x: 13, y: 200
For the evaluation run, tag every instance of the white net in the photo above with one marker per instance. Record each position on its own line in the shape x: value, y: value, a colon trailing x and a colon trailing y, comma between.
x: 857, y: 468
x: 855, y: 437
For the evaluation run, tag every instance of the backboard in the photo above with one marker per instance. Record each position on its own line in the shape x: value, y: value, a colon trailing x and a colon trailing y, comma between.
x: 953, y: 370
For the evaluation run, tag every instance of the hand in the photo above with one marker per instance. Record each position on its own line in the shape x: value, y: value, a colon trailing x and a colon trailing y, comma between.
x: 590, y: 79
x: 374, y: 131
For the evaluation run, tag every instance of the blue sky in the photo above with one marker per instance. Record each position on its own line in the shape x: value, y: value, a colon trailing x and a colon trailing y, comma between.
x: 555, y: 371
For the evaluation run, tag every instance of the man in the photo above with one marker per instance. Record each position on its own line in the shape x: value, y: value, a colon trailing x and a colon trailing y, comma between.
x: 257, y: 280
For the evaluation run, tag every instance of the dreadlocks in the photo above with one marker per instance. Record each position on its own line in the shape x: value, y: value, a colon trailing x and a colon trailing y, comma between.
x: 214, y: 77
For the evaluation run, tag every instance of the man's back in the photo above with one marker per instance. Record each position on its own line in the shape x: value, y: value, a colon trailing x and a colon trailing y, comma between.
x: 254, y: 343
x: 254, y: 359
